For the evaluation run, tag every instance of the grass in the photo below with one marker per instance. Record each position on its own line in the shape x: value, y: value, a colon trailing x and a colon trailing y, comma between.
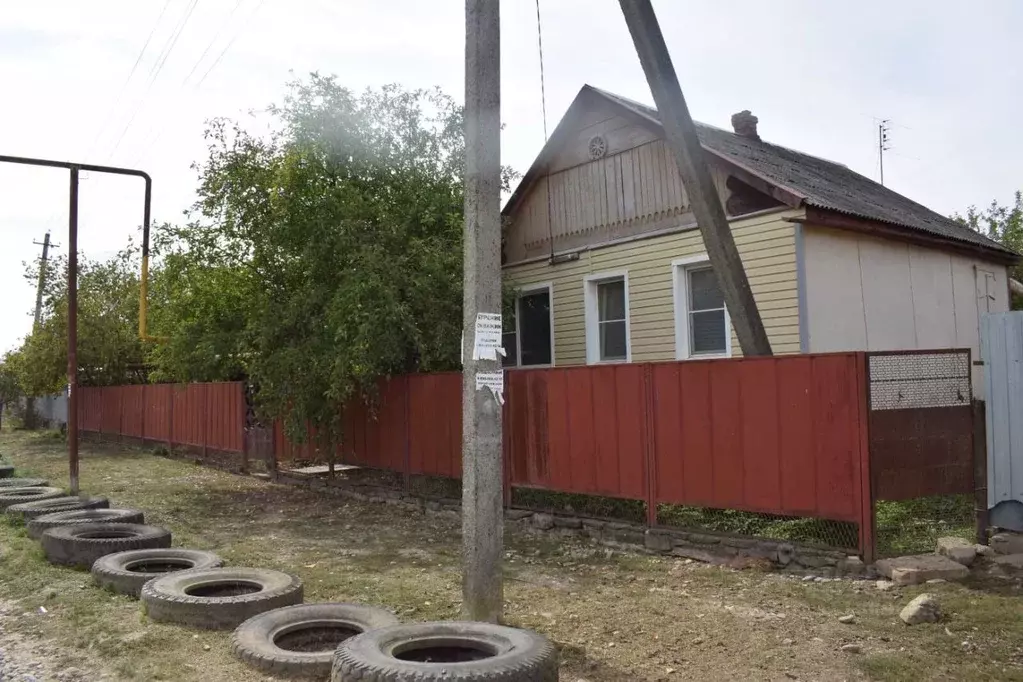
x: 614, y: 615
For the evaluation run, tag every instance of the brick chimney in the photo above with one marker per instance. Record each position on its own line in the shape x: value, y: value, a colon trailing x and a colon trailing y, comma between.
x: 745, y: 124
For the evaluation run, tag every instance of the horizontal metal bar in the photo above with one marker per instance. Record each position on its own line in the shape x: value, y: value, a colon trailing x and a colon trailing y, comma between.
x: 50, y: 163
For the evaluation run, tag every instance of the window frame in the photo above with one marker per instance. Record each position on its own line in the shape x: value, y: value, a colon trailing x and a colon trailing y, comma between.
x: 680, y: 293
x: 527, y: 289
x: 592, y: 316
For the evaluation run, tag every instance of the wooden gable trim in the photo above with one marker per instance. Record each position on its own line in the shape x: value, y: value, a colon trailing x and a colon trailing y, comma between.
x: 840, y: 221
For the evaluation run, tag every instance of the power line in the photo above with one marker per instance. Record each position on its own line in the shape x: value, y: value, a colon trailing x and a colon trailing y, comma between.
x: 124, y: 87
x: 154, y: 73
x: 543, y: 106
x: 212, y: 41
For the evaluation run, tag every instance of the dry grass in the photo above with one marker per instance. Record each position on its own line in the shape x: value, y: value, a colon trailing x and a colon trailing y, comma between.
x: 615, y: 616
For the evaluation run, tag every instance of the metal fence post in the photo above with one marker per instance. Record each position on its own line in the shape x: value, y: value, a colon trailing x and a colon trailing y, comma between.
x: 867, y: 537
x: 980, y: 469
x: 649, y: 447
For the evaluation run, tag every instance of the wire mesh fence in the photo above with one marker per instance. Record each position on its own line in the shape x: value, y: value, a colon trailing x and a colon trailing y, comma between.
x: 804, y: 530
x: 914, y: 526
x: 901, y: 380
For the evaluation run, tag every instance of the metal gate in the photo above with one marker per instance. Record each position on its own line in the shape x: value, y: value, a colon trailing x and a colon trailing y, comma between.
x: 1001, y: 338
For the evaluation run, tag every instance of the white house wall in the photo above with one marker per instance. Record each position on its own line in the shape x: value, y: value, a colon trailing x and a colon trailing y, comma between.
x: 864, y: 292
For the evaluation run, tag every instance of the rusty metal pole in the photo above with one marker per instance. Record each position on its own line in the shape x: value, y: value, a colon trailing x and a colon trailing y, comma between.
x: 72, y: 333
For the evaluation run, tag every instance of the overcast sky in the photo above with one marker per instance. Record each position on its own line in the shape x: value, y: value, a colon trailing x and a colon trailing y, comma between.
x: 818, y: 75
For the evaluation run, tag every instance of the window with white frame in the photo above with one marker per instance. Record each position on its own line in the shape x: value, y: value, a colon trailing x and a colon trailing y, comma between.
x: 528, y: 338
x: 702, y: 328
x: 607, y: 318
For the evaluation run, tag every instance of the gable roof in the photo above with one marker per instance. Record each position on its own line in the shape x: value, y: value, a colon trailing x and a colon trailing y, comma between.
x: 812, y: 181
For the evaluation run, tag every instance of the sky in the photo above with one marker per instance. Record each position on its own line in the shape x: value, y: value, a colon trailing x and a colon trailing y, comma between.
x: 132, y: 82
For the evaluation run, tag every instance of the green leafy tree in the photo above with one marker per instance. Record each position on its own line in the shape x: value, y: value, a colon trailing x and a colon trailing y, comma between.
x: 1004, y: 224
x: 324, y: 256
x: 109, y: 351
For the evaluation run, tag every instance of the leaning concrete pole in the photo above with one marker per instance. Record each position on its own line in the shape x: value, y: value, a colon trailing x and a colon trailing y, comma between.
x: 680, y: 132
x: 482, y: 512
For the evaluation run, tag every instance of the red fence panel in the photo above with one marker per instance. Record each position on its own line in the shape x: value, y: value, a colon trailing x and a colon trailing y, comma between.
x: 132, y: 411
x: 774, y: 435
x: 375, y: 435
x: 224, y: 414
x: 578, y: 430
x: 157, y: 412
x: 435, y: 424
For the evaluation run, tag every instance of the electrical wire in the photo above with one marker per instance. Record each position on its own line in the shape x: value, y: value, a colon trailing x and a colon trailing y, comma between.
x: 543, y: 105
x: 213, y: 40
x: 154, y: 73
x: 124, y: 86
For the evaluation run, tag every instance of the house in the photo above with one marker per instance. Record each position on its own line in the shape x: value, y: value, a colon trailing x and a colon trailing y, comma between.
x: 609, y: 266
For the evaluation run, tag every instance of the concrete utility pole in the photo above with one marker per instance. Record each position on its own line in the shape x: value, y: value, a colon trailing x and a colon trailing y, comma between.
x: 482, y: 489
x: 692, y: 166
x: 72, y: 331
x: 42, y: 277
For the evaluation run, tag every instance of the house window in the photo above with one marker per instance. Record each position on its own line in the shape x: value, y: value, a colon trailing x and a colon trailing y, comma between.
x: 702, y: 328
x: 528, y: 335
x: 607, y: 318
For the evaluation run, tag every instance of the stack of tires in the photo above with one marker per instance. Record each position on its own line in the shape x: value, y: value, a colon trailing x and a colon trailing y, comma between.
x: 273, y: 630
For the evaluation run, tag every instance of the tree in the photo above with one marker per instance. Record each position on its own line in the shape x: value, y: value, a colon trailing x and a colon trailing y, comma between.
x: 1004, y: 224
x: 324, y: 256
x: 109, y: 351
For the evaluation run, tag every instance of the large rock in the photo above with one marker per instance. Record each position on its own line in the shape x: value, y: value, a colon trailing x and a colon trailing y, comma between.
x: 1007, y: 543
x: 958, y: 550
x: 919, y: 568
x: 1009, y: 562
x: 923, y: 609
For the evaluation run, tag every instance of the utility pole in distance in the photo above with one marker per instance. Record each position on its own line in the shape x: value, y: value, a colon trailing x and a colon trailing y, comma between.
x: 42, y: 277
x: 882, y: 144
x: 482, y: 483
x: 680, y: 132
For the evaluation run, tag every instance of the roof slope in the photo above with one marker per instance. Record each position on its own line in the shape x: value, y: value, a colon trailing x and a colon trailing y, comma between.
x: 821, y: 183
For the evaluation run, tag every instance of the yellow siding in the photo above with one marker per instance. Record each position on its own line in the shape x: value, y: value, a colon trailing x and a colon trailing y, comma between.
x: 766, y: 245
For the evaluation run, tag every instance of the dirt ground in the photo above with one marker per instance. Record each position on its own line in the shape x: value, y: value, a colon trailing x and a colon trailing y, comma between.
x: 614, y: 615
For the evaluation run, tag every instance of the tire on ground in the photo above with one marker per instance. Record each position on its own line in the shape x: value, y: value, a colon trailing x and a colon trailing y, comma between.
x: 82, y: 544
x: 12, y: 496
x: 22, y: 482
x: 453, y: 652
x: 127, y: 572
x: 30, y: 510
x: 299, y: 641
x: 6, y: 470
x: 218, y: 598
x: 75, y: 517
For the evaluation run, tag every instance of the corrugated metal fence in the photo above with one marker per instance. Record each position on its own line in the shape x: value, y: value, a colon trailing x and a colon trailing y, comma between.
x: 1002, y: 343
x: 788, y: 435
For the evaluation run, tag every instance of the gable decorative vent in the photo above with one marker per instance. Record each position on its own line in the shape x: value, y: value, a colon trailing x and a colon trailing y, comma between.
x: 598, y: 147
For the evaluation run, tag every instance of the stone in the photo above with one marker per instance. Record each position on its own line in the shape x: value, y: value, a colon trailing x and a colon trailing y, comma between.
x: 957, y: 549
x: 851, y: 648
x: 543, y: 521
x: 261, y: 476
x: 658, y: 542
x: 568, y: 522
x: 786, y: 553
x: 923, y: 609
x: 1011, y: 562
x: 936, y: 581
x: 984, y: 550
x: 628, y: 535
x: 919, y: 568
x: 847, y: 619
x: 808, y: 578
x: 851, y: 566
x: 697, y: 554
x: 885, y: 585
x: 517, y: 514
x: 1007, y: 543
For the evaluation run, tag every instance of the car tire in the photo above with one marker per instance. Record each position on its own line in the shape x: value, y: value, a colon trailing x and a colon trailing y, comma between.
x: 22, y: 482
x: 40, y: 524
x: 31, y: 510
x: 127, y: 572
x: 300, y: 641
x: 82, y: 544
x: 219, y: 598
x: 452, y: 652
x: 12, y: 496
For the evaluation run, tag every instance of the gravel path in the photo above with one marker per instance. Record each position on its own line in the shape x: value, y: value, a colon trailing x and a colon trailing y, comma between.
x: 23, y: 659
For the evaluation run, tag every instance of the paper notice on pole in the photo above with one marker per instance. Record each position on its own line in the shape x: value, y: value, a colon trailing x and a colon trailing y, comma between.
x: 487, y: 341
x: 494, y: 381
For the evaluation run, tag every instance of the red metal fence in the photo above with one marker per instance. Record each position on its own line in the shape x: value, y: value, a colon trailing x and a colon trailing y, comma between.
x: 785, y: 435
